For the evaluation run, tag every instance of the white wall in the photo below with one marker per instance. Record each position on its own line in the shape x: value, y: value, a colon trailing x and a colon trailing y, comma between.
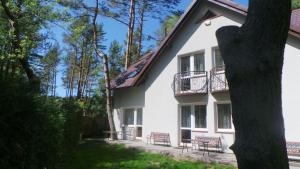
x: 127, y: 98
x: 291, y: 90
x: 161, y: 107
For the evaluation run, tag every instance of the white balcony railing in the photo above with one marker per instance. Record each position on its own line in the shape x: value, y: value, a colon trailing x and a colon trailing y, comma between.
x: 218, y: 81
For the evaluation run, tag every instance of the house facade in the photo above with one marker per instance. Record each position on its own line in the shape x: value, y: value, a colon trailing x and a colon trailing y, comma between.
x: 181, y: 88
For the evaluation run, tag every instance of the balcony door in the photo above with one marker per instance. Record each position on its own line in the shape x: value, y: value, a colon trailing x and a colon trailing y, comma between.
x: 191, y: 67
x: 192, y: 117
x: 185, y: 126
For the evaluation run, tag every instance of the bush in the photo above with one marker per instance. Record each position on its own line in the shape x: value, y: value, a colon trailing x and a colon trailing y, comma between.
x: 73, y: 121
x: 31, y: 128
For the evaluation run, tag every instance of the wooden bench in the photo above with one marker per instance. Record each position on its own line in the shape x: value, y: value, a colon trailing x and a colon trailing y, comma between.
x: 157, y: 137
x: 207, y: 143
x: 293, y: 148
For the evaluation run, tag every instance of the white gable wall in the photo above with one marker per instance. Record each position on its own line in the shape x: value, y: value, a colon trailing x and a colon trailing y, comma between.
x: 161, y: 107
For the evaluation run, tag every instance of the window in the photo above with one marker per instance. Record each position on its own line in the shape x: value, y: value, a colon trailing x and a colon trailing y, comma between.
x: 185, y: 64
x: 199, y: 64
x: 217, y: 59
x: 139, y: 117
x: 193, y: 117
x: 200, y: 116
x: 133, y: 118
x: 186, y: 116
x: 129, y: 117
x: 224, y: 116
x: 190, y: 66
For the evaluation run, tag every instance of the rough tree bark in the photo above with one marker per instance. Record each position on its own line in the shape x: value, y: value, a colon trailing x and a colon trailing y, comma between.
x: 140, y: 29
x: 130, y: 34
x: 80, y: 75
x: 253, y: 56
x: 104, y: 58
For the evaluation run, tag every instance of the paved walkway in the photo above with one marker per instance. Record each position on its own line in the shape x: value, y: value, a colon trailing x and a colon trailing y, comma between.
x: 223, y: 158
x: 174, y: 152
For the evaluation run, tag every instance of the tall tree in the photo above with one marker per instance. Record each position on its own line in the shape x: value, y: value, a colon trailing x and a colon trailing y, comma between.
x: 253, y: 56
x: 49, y: 74
x: 140, y: 28
x: 105, y: 61
x: 130, y: 34
x: 80, y: 60
x: 115, y: 59
x: 132, y: 13
x: 167, y: 25
x: 25, y: 20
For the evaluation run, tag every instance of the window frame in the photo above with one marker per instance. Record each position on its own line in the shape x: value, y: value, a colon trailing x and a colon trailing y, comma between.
x: 134, y: 116
x: 191, y: 56
x: 200, y: 128
x: 124, y: 116
x: 135, y: 125
x: 213, y: 49
x: 139, y: 125
x: 193, y: 117
x: 221, y: 130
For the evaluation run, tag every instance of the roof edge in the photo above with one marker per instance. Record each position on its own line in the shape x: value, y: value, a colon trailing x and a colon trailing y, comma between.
x: 164, y: 43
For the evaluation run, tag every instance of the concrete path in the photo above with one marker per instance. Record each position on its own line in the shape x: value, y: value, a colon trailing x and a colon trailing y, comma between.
x: 176, y: 152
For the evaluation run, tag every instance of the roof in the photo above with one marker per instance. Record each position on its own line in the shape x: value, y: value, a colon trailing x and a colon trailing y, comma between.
x: 295, y: 15
x: 146, y: 62
x: 129, y: 77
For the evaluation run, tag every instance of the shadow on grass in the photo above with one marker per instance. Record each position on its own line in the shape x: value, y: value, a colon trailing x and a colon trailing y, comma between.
x: 100, y: 155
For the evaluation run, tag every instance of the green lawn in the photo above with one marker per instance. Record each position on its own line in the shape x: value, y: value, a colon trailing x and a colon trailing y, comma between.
x: 99, y: 155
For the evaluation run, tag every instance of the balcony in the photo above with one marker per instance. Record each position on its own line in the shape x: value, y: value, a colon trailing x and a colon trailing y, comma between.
x: 187, y: 83
x: 218, y: 81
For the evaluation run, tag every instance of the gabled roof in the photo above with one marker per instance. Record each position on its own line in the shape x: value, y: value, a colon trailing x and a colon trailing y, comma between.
x: 146, y: 62
x: 129, y: 77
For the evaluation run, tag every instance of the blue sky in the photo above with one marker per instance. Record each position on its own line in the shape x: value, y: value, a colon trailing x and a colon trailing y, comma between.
x: 117, y: 31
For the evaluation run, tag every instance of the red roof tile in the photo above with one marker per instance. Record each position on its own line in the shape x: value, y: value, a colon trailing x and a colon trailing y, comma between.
x: 128, y: 77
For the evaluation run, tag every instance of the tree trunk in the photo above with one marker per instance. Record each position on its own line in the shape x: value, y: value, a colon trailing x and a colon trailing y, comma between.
x: 253, y: 57
x: 80, y: 76
x: 104, y: 58
x: 86, y: 75
x: 72, y: 81
x: 130, y: 34
x: 141, y: 25
x: 54, y: 81
x: 1, y: 69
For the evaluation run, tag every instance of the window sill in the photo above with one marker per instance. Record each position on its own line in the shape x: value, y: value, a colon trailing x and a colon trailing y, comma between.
x: 200, y: 130
x: 228, y: 131
x: 220, y: 71
x: 129, y: 125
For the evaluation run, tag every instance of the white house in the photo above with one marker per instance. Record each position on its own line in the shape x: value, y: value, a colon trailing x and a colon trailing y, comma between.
x: 181, y: 88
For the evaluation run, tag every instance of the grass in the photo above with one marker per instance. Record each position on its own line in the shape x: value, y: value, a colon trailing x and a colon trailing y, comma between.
x: 99, y: 155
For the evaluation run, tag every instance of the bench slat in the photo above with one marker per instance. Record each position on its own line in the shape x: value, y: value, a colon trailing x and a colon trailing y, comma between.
x: 160, y: 137
x: 213, y: 142
x: 293, y: 148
